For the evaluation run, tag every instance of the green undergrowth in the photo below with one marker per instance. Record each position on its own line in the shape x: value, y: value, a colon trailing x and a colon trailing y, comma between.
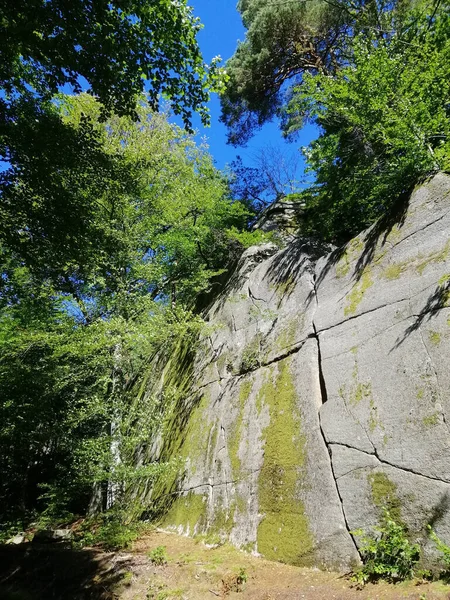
x: 110, y: 530
x: 388, y: 554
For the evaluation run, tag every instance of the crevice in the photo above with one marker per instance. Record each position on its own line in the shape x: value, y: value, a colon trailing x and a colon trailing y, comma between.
x: 420, y: 229
x: 323, y: 387
x: 341, y: 501
x: 210, y: 485
x: 293, y: 350
x: 252, y: 296
x: 371, y: 310
x: 419, y: 328
x: 389, y: 464
x: 324, y: 397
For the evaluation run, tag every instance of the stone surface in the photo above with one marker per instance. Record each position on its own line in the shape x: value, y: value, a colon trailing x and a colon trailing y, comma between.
x: 320, y: 393
x: 52, y: 535
x: 17, y: 539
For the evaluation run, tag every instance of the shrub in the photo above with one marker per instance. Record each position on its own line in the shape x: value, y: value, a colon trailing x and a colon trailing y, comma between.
x: 389, y: 555
x: 158, y: 556
x: 443, y: 549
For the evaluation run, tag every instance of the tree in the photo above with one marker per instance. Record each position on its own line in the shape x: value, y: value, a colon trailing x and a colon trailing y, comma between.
x: 286, y: 39
x: 77, y: 336
x: 55, y: 173
x: 114, y: 46
x: 273, y: 176
x: 384, y: 124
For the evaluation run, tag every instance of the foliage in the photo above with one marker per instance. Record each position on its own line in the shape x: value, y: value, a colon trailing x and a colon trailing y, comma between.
x: 373, y: 76
x: 53, y: 172
x: 234, y: 581
x: 389, y: 555
x: 443, y: 549
x: 285, y: 40
x: 250, y: 360
x: 111, y: 530
x: 78, y: 329
x: 113, y: 46
x: 272, y: 176
x: 385, y: 123
x: 158, y: 555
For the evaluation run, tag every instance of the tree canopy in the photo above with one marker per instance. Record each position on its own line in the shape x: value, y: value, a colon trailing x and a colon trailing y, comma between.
x: 118, y: 48
x: 287, y: 39
x: 161, y: 224
x: 373, y: 76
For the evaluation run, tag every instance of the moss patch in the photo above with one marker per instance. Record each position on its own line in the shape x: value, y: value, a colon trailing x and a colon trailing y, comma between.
x: 251, y: 356
x: 431, y: 420
x: 394, y: 270
x: 352, y: 250
x: 355, y: 297
x: 188, y: 438
x: 384, y: 494
x: 374, y: 419
x: 287, y: 335
x: 358, y: 390
x: 236, y: 433
x: 434, y: 257
x: 435, y: 337
x: 188, y: 512
x: 283, y: 533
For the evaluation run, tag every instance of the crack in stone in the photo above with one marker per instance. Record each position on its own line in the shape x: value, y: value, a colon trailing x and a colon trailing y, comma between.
x: 420, y: 229
x: 338, y: 493
x: 324, y: 397
x: 371, y: 310
x: 419, y: 328
x: 212, y: 485
x: 389, y: 464
x: 252, y: 296
x: 351, y: 471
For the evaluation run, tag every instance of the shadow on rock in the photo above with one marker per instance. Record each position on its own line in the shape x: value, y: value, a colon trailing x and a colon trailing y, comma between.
x: 51, y: 572
x: 437, y: 300
x: 395, y: 217
x: 288, y: 265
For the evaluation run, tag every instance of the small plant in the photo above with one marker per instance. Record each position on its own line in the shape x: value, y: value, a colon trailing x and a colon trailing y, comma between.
x: 250, y: 360
x: 159, y: 591
x: 389, y: 555
x: 234, y: 582
x: 443, y: 549
x: 158, y: 556
x: 110, y: 530
x: 242, y: 576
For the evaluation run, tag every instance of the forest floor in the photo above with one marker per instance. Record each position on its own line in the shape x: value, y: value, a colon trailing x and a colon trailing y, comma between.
x: 192, y: 572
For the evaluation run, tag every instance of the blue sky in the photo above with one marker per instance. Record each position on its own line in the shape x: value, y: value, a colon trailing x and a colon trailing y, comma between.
x: 222, y: 30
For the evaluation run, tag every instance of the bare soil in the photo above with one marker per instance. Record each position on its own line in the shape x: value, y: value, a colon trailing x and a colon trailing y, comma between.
x: 193, y: 572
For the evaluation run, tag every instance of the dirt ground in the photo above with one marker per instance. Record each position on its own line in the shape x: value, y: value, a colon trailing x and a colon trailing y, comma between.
x: 193, y: 572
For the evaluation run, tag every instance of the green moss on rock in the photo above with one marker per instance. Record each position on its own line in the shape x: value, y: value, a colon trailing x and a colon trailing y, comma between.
x: 435, y: 337
x: 188, y: 511
x: 384, y: 494
x: 431, y: 420
x: 352, y: 250
x: 236, y: 432
x: 283, y: 533
x: 354, y: 298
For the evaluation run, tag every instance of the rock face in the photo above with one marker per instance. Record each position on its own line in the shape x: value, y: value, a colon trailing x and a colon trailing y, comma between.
x: 320, y: 394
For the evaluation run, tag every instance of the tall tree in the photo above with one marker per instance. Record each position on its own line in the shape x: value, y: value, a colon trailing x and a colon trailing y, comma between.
x: 76, y: 336
x: 384, y: 124
x: 286, y: 39
x: 115, y: 46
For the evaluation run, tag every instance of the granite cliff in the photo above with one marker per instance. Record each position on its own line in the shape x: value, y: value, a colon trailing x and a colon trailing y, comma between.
x: 320, y: 394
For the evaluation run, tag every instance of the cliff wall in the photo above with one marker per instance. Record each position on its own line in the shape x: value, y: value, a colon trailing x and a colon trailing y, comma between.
x: 321, y: 393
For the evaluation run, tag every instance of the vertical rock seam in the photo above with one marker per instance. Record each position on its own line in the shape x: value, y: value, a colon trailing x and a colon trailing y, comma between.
x: 324, y: 397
